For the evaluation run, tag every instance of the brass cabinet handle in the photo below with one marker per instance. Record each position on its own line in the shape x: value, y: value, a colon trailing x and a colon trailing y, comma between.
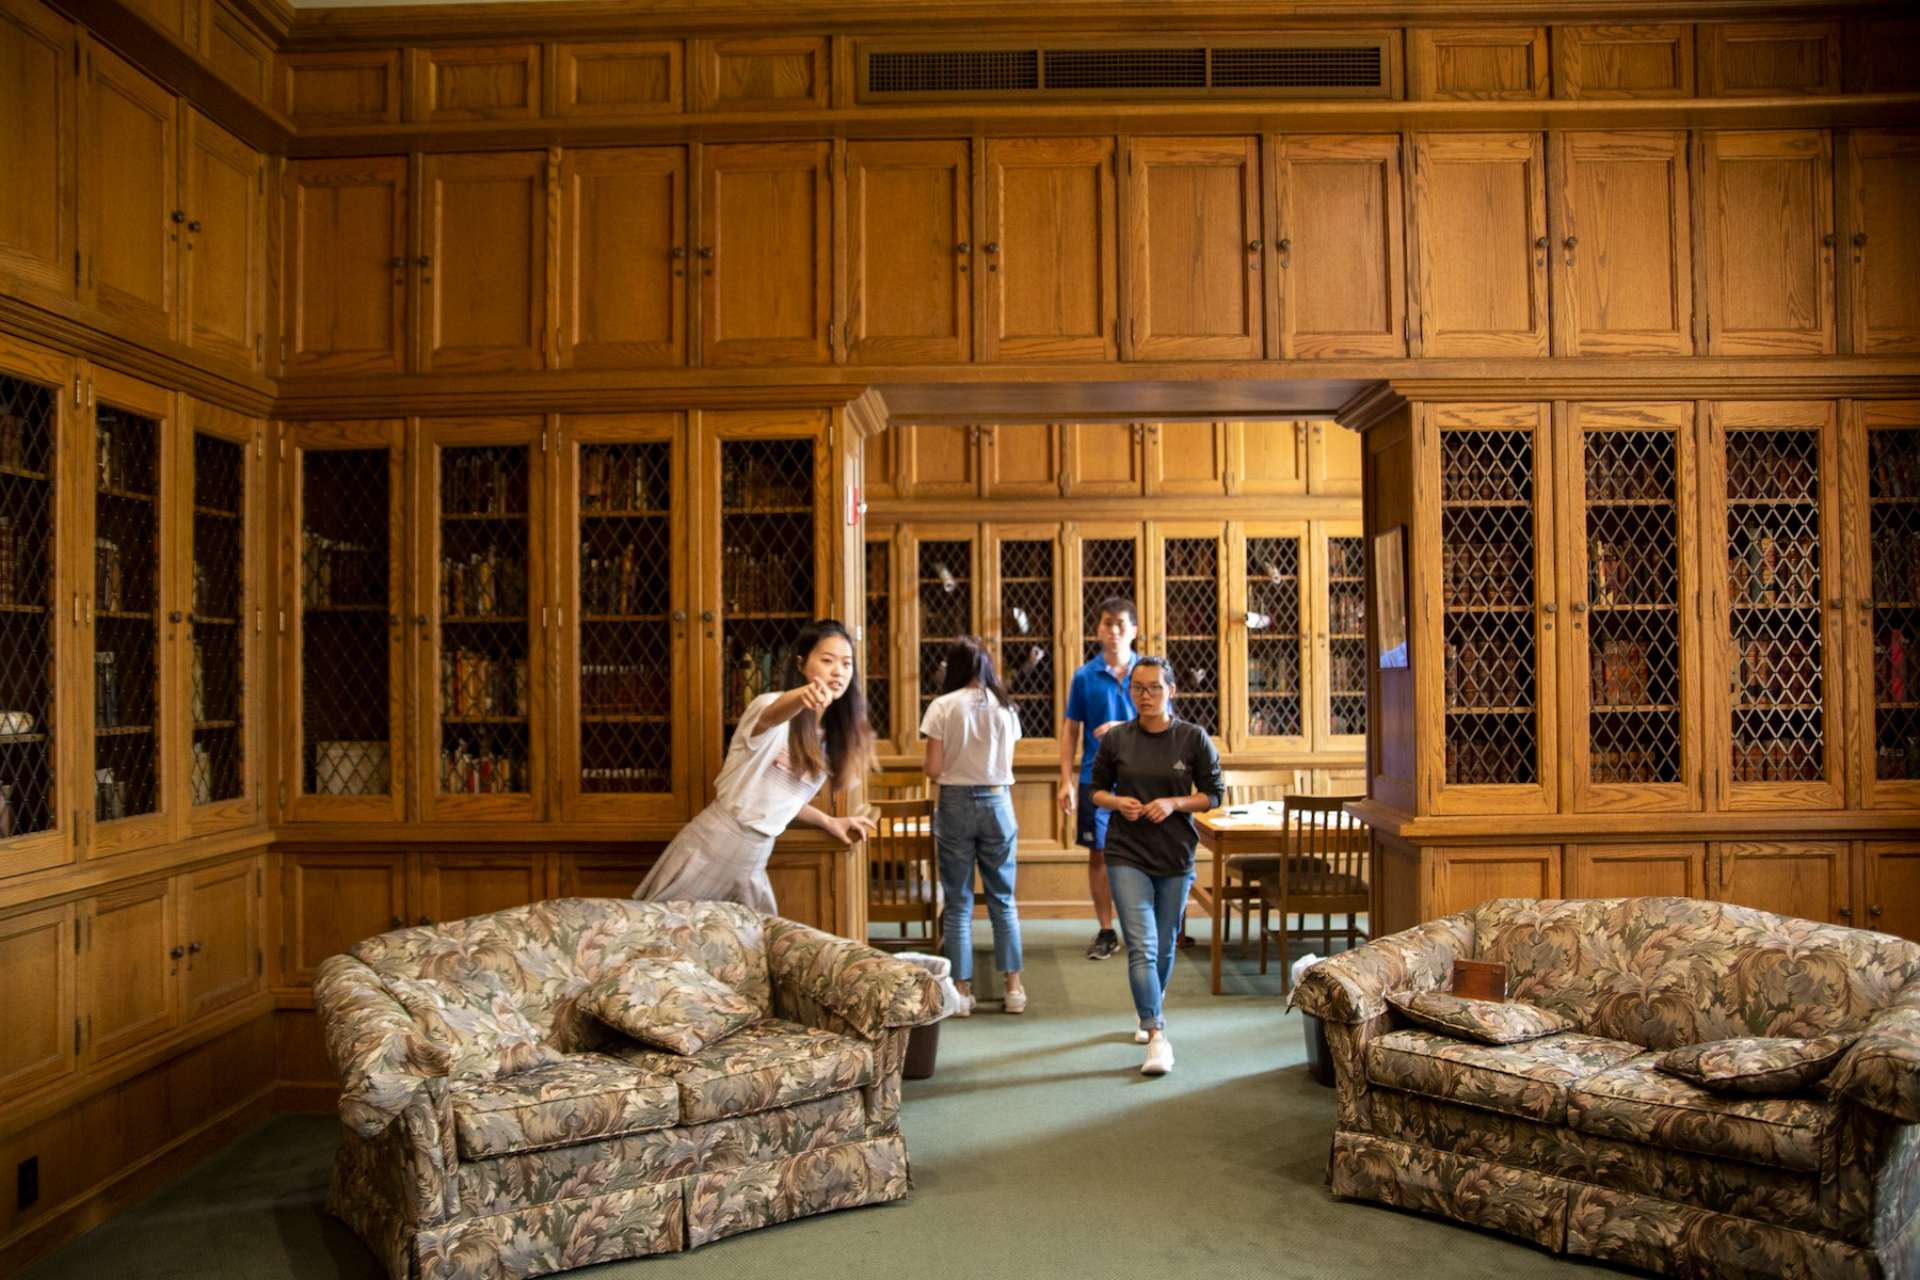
x: 679, y: 615
x: 1827, y: 239
x: 1846, y: 913
x: 177, y: 953
x: 425, y: 919
x: 419, y: 619
x: 993, y: 246
x: 193, y: 224
x: 1548, y: 607
x: 1874, y: 911
x: 963, y: 247
x: 706, y: 615
x: 178, y: 215
x: 1541, y: 243
x: 174, y: 616
x: 1836, y: 603
x: 424, y: 260
x: 397, y: 263
x: 1859, y: 239
x: 676, y: 252
x: 704, y: 251
x: 193, y: 948
x: 1253, y: 246
x: 394, y: 922
x: 1579, y: 606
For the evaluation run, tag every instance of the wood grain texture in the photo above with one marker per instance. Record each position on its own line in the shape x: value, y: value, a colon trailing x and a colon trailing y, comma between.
x: 623, y: 257
x: 1477, y: 63
x: 1622, y: 253
x: 615, y: 78
x: 1761, y: 59
x: 910, y: 257
x: 1649, y: 60
x: 39, y: 234
x: 1194, y: 253
x: 764, y: 254
x: 344, y: 285
x: 1049, y: 241
x: 1480, y: 239
x: 1339, y: 250
x: 487, y: 82
x: 1768, y: 241
x: 1881, y: 195
x: 772, y: 73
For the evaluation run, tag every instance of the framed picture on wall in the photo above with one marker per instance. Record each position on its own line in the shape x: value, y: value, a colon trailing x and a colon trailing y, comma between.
x: 1390, y: 594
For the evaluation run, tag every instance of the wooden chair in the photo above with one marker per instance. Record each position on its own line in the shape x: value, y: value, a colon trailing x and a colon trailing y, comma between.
x: 1248, y: 786
x: 1325, y: 874
x: 903, y: 874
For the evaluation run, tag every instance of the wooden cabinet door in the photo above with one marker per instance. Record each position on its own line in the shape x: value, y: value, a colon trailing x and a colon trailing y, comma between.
x: 805, y: 885
x: 1187, y: 458
x: 128, y: 194
x: 454, y: 886
x: 38, y: 231
x: 346, y: 266
x: 1774, y: 734
x: 1883, y: 286
x: 1194, y: 259
x: 1466, y: 877
x: 1022, y: 459
x: 343, y: 752
x: 483, y: 262
x: 1880, y: 495
x: 944, y: 568
x: 1023, y: 595
x: 222, y: 249
x: 1811, y: 879
x: 1266, y: 459
x: 909, y: 221
x: 1622, y: 259
x: 36, y: 1003
x: 1636, y: 870
x: 765, y: 257
x: 1105, y: 459
x: 940, y: 461
x: 1632, y: 576
x: 1269, y: 627
x: 329, y: 901
x: 1105, y: 559
x: 220, y: 928
x: 130, y: 964
x: 593, y: 875
x: 1767, y: 215
x: 623, y: 257
x: 1338, y: 666
x: 1480, y: 241
x: 1335, y: 458
x: 1338, y: 247
x: 1189, y: 581
x: 1893, y: 888
x: 1048, y: 288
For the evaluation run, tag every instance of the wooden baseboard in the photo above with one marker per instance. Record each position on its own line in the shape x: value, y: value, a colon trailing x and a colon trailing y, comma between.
x: 94, y: 1206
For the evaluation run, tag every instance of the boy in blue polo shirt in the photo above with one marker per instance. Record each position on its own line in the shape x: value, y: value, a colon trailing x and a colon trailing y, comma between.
x: 1096, y: 702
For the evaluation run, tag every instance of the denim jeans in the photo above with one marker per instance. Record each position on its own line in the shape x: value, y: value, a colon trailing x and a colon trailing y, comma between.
x: 1149, y: 908
x: 974, y: 827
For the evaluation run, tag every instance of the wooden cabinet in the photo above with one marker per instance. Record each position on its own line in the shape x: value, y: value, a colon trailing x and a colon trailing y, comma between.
x: 36, y: 1004
x: 939, y: 461
x: 1480, y: 244
x: 1335, y: 456
x: 331, y: 900
x: 223, y: 242
x: 1883, y: 287
x: 1187, y: 458
x: 481, y: 618
x: 1269, y: 624
x: 1638, y: 61
x: 1768, y: 239
x: 1048, y: 247
x: 128, y: 196
x: 1880, y: 484
x: 1775, y: 735
x: 944, y: 569
x: 347, y: 265
x: 1105, y: 560
x: 1104, y: 459
x: 880, y: 660
x: 1024, y: 591
x: 454, y: 886
x: 1188, y: 586
x: 623, y: 258
x: 1636, y: 870
x: 909, y: 227
x: 1892, y: 887
x: 764, y: 256
x: 130, y: 965
x: 483, y: 262
x: 1195, y: 262
x: 1338, y: 662
x: 345, y: 573
x: 488, y: 82
x: 39, y: 234
x: 1266, y: 458
x: 1812, y: 879
x: 1022, y: 459
x: 1339, y: 276
x: 220, y: 911
x: 1465, y: 877
x: 1622, y: 257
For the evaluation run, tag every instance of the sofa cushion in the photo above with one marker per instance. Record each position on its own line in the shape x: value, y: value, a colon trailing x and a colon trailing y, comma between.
x: 668, y: 1003
x: 1485, y: 1021
x: 1529, y: 1080
x: 774, y: 1063
x: 1637, y: 1101
x: 586, y: 1097
x: 475, y: 1019
x: 1755, y: 1064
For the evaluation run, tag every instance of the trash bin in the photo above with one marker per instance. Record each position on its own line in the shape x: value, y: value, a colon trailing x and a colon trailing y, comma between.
x: 924, y: 1042
x: 1319, y: 1057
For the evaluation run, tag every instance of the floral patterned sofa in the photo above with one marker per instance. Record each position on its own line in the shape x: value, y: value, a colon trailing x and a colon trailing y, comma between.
x: 1576, y: 1142
x: 610, y: 1148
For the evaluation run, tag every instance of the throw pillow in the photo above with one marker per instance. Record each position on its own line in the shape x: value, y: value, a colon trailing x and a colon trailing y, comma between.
x: 1487, y: 1021
x: 669, y: 1003
x: 1756, y: 1064
x: 475, y: 1019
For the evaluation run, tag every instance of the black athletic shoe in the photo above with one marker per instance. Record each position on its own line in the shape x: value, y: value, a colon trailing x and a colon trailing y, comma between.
x: 1106, y: 943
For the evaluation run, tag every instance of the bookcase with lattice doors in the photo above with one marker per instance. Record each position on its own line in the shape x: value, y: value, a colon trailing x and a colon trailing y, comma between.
x: 1187, y: 583
x: 1024, y: 590
x: 943, y: 578
x: 879, y: 661
x: 1339, y: 658
x: 1885, y: 587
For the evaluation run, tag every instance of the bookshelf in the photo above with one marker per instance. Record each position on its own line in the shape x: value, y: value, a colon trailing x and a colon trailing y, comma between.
x: 219, y: 612
x: 1892, y: 605
x: 30, y: 741
x: 943, y: 593
x: 877, y: 666
x: 768, y: 566
x: 1275, y: 627
x: 1190, y: 602
x: 1026, y: 589
x: 125, y: 607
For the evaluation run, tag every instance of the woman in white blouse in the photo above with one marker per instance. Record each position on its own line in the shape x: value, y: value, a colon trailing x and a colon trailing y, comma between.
x: 970, y: 730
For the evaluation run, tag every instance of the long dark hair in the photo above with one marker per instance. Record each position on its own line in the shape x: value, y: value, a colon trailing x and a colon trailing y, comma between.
x: 967, y: 661
x: 849, y: 738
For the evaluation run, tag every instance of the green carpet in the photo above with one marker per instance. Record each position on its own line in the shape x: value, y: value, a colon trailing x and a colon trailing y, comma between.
x: 1037, y: 1149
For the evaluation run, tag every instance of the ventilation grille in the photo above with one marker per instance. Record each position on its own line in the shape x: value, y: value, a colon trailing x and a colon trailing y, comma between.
x: 1321, y: 66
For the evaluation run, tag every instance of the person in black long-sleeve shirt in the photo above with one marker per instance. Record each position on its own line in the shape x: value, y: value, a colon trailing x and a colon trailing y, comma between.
x: 1154, y: 773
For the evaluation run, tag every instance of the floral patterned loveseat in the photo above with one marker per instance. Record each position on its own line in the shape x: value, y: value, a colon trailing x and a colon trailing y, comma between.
x: 613, y: 1149
x: 1578, y: 1143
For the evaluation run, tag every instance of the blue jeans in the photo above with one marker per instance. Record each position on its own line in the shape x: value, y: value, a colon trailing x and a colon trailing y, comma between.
x: 974, y: 827
x: 1149, y: 908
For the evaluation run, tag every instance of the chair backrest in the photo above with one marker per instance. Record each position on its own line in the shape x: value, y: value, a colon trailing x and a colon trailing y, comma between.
x: 1326, y: 849
x: 900, y: 853
x: 897, y: 784
x: 1245, y: 786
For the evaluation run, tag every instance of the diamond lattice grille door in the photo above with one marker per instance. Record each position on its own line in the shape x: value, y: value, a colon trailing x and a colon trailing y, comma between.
x: 879, y: 656
x: 126, y: 614
x: 217, y: 691
x: 945, y: 585
x: 767, y: 577
x: 29, y: 725
x: 1109, y: 568
x: 1027, y: 633
x: 1190, y: 618
x: 1276, y: 631
x: 1893, y: 541
x: 1346, y: 623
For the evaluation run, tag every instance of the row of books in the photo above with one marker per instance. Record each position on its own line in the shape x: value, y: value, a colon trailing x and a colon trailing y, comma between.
x: 1776, y: 671
x: 120, y: 462
x: 1191, y: 558
x: 340, y: 572
x: 485, y: 771
x: 1620, y: 673
x: 620, y: 478
x: 1898, y: 761
x: 624, y: 688
x: 1764, y: 567
x: 1346, y: 558
x: 1474, y: 761
x: 1466, y: 478
x: 1474, y: 572
x: 1778, y: 760
x: 1270, y: 721
x: 482, y: 482
x: 750, y: 480
x: 485, y: 584
x: 623, y: 583
x: 13, y: 428
x: 1893, y: 464
x: 11, y: 570
x: 768, y: 580
x: 1896, y: 565
x: 1617, y: 574
x: 1347, y: 666
x: 479, y: 684
x: 109, y: 581
x: 1631, y: 764
x: 1896, y: 667
x: 630, y: 781
x: 1612, y: 478
x: 1490, y: 671
x: 1273, y: 668
x: 1346, y: 611
x: 1772, y: 464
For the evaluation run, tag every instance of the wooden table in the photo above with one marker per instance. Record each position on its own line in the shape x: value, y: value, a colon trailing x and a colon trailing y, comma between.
x: 1262, y: 832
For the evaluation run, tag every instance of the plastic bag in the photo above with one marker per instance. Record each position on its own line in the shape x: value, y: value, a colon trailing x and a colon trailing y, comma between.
x: 942, y: 969
x: 1303, y: 964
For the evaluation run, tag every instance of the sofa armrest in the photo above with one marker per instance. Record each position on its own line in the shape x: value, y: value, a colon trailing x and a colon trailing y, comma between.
x: 1882, y: 1069
x: 1353, y: 986
x: 868, y: 988
x: 380, y: 1055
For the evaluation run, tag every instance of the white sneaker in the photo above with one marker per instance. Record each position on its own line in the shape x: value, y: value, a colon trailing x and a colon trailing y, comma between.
x: 1016, y: 1001
x: 966, y: 1007
x: 1159, y: 1057
x: 1141, y: 1037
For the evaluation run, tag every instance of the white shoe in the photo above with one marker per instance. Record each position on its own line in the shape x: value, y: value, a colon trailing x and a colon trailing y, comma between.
x: 966, y: 1007
x: 1159, y: 1057
x: 1016, y: 1001
x: 1141, y: 1037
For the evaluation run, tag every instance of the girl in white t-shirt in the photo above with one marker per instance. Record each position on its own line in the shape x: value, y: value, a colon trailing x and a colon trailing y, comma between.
x: 786, y: 746
x: 970, y: 730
